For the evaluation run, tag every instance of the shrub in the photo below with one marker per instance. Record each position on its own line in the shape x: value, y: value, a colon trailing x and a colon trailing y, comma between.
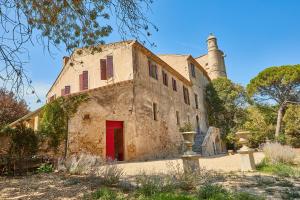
x: 172, y: 196
x: 187, y: 127
x: 111, y: 173
x: 45, y: 168
x: 213, y: 192
x: 104, y: 194
x: 217, y: 192
x: 149, y: 185
x: 277, y: 153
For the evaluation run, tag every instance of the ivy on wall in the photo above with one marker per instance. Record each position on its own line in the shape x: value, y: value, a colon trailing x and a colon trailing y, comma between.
x: 55, y: 115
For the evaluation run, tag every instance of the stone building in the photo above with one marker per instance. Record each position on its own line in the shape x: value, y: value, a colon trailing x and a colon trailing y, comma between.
x: 138, y: 100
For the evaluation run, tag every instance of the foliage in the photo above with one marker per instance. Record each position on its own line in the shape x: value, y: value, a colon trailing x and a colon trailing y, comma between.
x: 277, y: 84
x: 217, y: 192
x: 111, y: 173
x: 11, y: 108
x: 260, y: 121
x: 279, y: 169
x: 291, y: 121
x: 54, y: 122
x: 149, y: 185
x: 45, y: 168
x: 57, y: 23
x: 24, y: 141
x: 187, y: 127
x: 225, y: 105
x: 277, y: 153
x: 105, y: 194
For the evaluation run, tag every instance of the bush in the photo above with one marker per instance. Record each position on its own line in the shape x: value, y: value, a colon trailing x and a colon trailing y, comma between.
x: 104, y: 194
x: 277, y: 153
x: 217, y: 192
x: 172, y: 196
x: 111, y: 173
x: 45, y: 168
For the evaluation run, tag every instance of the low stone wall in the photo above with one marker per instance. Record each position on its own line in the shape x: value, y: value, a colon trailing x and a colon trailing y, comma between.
x: 219, y: 163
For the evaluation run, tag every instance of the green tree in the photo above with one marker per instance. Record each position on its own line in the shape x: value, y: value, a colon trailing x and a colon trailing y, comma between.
x: 260, y: 121
x: 226, y: 103
x: 291, y: 121
x: 278, y: 84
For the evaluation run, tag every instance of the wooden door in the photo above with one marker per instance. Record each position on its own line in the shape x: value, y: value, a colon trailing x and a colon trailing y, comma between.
x: 114, y: 140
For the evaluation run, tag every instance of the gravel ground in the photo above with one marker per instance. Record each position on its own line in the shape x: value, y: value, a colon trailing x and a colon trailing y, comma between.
x: 62, y: 186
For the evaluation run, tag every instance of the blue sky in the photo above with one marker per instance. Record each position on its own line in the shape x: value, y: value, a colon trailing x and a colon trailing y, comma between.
x: 254, y: 34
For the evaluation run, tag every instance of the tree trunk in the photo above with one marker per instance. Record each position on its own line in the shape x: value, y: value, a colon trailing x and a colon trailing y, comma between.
x: 279, y: 119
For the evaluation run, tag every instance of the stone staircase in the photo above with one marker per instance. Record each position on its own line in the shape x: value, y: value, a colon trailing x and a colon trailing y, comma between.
x: 199, y: 137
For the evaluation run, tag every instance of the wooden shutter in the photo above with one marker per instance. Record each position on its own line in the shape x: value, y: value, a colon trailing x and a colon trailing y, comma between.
x: 80, y: 82
x: 156, y: 74
x: 67, y: 89
x: 110, y: 70
x: 85, y: 80
x: 149, y: 66
x: 103, y: 69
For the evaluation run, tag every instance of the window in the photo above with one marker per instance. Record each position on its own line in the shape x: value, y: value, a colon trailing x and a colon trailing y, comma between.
x: 165, y: 78
x: 67, y: 89
x: 186, y: 96
x: 196, y: 101
x: 110, y: 69
x: 84, y: 81
x: 103, y: 69
x: 177, y: 118
x: 152, y: 70
x: 174, y: 85
x: 155, y: 111
x: 106, y: 68
x: 193, y: 70
x: 197, y: 122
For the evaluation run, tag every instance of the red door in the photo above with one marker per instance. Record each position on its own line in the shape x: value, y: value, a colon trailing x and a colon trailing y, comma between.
x: 114, y: 140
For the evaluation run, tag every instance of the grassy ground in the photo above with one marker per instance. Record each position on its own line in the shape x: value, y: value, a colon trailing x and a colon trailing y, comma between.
x: 279, y: 169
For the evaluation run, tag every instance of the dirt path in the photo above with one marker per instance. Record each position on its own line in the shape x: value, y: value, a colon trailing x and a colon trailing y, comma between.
x: 47, y: 186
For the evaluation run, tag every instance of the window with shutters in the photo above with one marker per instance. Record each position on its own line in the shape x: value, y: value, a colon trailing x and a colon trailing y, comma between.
x: 193, y: 70
x: 103, y: 69
x: 152, y: 69
x: 174, y: 84
x: 196, y: 101
x: 165, y: 78
x: 186, y: 96
x: 177, y: 118
x: 84, y: 81
x: 67, y: 89
x: 155, y: 111
x: 110, y: 68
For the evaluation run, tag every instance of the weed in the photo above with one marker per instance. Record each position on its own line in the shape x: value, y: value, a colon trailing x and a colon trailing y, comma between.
x: 45, y: 168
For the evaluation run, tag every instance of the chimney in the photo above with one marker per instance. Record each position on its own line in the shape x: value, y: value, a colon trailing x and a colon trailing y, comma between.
x: 65, y: 60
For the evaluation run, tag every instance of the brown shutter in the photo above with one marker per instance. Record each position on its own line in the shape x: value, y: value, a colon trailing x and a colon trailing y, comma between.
x: 62, y: 92
x: 110, y: 70
x: 103, y: 69
x: 85, y: 80
x: 80, y: 82
x: 156, y: 74
x: 149, y: 66
x: 67, y: 89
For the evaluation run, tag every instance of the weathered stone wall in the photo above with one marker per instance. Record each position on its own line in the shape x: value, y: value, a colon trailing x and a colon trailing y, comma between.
x: 113, y: 102
x: 163, y: 136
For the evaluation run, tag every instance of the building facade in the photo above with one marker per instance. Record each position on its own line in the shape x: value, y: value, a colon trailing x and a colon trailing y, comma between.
x: 138, y: 101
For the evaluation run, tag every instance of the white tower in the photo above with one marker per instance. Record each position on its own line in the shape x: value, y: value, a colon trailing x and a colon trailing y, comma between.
x: 215, y: 63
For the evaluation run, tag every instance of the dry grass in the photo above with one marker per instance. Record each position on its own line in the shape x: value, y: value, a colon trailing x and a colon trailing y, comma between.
x: 276, y: 153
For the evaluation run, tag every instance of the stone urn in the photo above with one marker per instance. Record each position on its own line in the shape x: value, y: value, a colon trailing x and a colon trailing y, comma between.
x: 188, y: 142
x: 243, y: 139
